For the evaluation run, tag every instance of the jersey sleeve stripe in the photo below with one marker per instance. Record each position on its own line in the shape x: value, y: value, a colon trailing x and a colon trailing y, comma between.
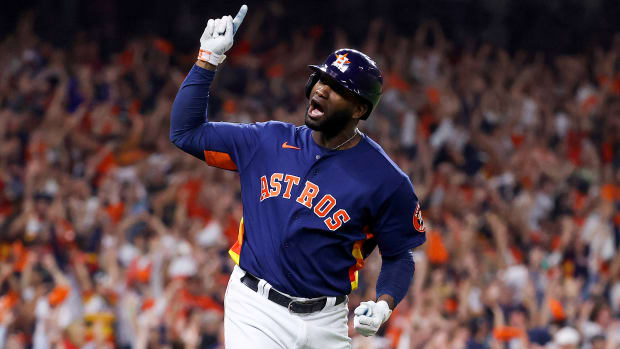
x: 219, y: 160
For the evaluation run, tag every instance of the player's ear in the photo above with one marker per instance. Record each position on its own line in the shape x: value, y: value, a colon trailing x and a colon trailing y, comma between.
x: 359, y: 109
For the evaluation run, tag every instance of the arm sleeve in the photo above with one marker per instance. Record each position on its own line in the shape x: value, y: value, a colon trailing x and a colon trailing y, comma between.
x: 220, y: 144
x: 395, y: 276
x: 398, y: 224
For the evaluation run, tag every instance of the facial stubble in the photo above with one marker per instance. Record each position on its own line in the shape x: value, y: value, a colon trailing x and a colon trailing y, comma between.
x: 330, y: 125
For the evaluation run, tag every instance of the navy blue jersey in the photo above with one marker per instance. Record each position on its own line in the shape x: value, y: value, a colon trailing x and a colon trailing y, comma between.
x: 310, y: 214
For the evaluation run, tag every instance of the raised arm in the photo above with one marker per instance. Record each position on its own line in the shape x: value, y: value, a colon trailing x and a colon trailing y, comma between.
x: 190, y: 105
x: 220, y: 144
x: 189, y: 112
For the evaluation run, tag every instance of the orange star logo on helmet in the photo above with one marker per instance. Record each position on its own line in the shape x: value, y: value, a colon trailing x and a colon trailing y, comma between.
x: 341, y: 62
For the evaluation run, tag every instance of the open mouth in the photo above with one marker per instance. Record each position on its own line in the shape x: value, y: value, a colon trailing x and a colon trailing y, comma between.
x: 315, y: 110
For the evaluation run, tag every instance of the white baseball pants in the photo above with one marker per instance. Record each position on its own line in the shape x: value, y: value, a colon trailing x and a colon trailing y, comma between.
x: 253, y: 321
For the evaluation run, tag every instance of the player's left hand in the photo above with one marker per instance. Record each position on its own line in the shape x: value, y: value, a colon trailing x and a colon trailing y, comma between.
x: 369, y: 316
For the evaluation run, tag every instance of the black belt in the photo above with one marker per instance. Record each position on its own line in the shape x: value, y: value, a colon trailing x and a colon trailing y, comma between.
x: 300, y: 307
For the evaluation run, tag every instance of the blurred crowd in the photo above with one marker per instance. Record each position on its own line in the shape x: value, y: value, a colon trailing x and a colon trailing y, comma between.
x: 110, y: 237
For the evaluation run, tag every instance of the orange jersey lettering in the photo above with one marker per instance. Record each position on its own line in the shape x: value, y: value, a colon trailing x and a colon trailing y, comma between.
x: 264, y: 188
x: 326, y: 204
x: 290, y: 180
x: 340, y: 217
x: 276, y: 178
x: 310, y: 191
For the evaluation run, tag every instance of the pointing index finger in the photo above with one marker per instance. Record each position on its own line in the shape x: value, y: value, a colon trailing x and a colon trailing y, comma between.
x: 239, y: 18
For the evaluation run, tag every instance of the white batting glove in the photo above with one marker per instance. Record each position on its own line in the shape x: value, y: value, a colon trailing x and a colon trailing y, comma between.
x: 218, y: 37
x: 369, y: 316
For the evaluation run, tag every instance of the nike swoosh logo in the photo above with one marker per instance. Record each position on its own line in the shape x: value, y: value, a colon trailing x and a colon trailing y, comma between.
x: 286, y: 146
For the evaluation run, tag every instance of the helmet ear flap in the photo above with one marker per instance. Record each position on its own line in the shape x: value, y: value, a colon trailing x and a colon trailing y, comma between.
x: 314, y: 77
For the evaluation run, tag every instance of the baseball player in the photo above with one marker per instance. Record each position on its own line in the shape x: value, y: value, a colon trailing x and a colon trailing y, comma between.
x: 317, y: 199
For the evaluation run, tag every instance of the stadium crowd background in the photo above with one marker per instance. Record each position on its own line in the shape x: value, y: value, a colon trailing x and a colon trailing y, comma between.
x: 506, y: 115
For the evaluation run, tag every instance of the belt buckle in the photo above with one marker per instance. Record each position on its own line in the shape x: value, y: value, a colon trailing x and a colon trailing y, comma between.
x: 307, y: 302
x: 295, y: 302
x: 289, y: 306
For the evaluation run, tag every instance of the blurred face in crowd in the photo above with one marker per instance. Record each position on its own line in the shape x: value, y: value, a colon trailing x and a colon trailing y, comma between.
x: 42, y: 204
x: 603, y: 316
x: 141, y: 242
x: 332, y: 107
x: 518, y: 318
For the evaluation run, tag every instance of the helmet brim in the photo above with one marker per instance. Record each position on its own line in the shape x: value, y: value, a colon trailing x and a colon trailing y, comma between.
x: 332, y: 74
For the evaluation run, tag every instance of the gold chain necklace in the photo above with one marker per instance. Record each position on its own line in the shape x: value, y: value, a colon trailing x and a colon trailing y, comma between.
x: 355, y: 133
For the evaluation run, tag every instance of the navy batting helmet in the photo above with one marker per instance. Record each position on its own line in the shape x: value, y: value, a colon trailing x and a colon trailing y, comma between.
x: 354, y: 71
